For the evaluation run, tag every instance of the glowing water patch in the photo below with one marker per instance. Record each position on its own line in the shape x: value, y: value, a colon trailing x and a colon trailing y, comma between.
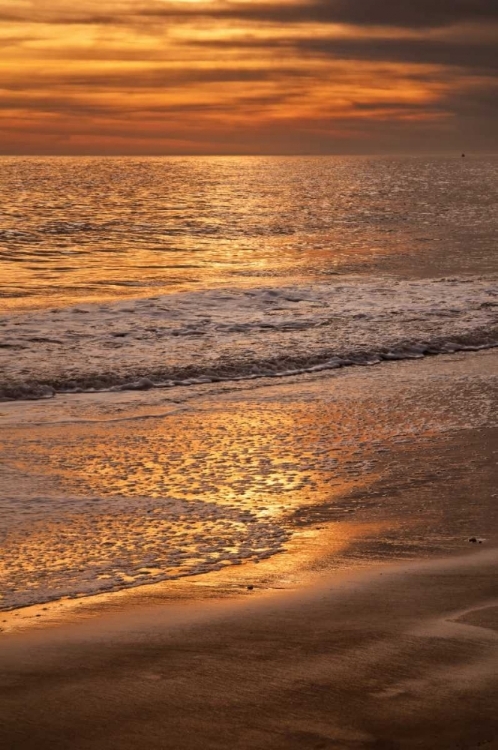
x: 121, y: 543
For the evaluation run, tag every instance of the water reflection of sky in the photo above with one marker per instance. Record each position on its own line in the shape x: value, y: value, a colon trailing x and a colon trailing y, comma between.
x: 94, y: 228
x: 280, y: 475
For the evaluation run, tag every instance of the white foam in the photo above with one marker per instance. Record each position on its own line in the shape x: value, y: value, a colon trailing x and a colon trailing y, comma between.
x: 200, y: 337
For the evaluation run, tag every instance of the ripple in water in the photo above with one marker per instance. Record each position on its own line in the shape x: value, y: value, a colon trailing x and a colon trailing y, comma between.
x: 111, y: 544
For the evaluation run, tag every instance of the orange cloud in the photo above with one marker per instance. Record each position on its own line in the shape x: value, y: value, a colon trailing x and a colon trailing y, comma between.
x: 213, y: 76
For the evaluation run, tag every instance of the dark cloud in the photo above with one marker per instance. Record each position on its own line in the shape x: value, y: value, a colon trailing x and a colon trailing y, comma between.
x: 61, y: 18
x: 471, y: 55
x: 159, y: 79
x: 416, y: 14
x: 77, y: 107
x: 478, y: 56
x: 480, y: 102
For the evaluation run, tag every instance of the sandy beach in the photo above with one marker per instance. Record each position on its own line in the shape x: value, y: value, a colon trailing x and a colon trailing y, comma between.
x: 402, y: 657
x: 376, y: 626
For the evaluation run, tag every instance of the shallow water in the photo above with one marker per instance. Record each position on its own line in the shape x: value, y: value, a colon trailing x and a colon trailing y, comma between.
x: 103, y: 493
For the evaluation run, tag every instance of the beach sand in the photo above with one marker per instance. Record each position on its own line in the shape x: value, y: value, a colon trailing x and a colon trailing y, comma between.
x: 376, y: 629
x: 402, y: 657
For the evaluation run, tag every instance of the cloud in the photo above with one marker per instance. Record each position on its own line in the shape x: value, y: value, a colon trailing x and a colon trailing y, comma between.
x: 476, y: 55
x: 237, y: 76
x: 419, y: 14
x: 155, y: 79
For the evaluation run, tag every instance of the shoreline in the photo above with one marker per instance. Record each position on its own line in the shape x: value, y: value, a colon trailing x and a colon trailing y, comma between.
x: 236, y: 335
x: 394, y: 501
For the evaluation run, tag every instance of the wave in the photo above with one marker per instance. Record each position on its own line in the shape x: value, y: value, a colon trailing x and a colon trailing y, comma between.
x: 233, y: 334
x: 114, y: 543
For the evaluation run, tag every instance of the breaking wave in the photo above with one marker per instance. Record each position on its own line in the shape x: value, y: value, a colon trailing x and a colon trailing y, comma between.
x: 233, y: 334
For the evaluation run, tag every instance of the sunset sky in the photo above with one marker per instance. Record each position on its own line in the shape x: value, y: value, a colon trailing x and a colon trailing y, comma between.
x: 248, y: 76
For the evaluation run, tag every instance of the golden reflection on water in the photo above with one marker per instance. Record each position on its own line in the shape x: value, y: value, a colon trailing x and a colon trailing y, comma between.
x: 280, y: 478
x: 265, y: 458
x: 199, y: 491
x: 96, y: 229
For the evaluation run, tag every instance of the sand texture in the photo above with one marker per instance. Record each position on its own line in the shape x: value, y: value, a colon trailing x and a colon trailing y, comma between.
x: 405, y: 657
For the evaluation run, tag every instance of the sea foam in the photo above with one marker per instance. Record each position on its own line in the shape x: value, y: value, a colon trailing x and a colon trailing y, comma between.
x: 230, y: 334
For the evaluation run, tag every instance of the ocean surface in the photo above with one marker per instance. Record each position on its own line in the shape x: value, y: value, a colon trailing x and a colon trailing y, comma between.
x: 176, y: 278
x: 84, y: 229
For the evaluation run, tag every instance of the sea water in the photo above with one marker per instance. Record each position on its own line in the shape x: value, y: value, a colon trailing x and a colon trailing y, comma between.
x: 190, y: 275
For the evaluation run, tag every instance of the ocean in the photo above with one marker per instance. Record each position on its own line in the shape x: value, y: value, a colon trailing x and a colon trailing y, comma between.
x: 86, y: 229
x: 136, y: 293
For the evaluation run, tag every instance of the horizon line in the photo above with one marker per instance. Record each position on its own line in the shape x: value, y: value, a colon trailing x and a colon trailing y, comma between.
x: 455, y: 153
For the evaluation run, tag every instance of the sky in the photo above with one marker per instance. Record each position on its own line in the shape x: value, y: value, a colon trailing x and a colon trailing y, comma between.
x: 248, y: 76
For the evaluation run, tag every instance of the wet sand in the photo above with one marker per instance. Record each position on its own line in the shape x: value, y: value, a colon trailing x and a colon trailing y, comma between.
x: 345, y: 641
x: 405, y: 656
x: 275, y: 481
